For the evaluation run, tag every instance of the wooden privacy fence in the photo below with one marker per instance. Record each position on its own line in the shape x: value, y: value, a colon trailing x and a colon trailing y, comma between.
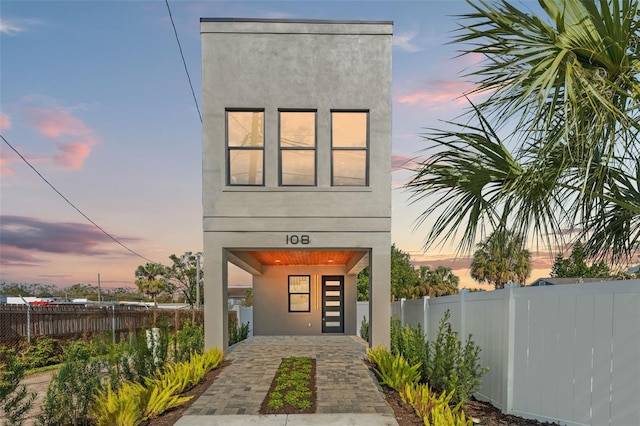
x: 568, y: 354
x: 22, y: 323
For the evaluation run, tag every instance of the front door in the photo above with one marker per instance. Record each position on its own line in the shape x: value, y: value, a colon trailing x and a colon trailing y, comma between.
x: 333, y: 304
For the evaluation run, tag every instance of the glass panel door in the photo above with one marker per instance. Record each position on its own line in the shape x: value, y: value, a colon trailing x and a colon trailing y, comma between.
x: 333, y: 304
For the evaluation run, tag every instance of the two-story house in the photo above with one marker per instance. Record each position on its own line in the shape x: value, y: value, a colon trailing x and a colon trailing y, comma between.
x: 296, y: 172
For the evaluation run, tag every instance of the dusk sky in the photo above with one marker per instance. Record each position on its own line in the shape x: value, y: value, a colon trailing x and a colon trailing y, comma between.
x: 95, y: 96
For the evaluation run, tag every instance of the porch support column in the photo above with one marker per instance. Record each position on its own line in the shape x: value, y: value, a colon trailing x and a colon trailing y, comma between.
x: 216, y: 314
x: 380, y: 296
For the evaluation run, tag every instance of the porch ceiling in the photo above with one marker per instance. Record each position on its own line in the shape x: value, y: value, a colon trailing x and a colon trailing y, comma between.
x: 303, y: 257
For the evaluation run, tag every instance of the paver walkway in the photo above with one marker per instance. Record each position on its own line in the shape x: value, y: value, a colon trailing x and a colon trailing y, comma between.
x: 344, y: 383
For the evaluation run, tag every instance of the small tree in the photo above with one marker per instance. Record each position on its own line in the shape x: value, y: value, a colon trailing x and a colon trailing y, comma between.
x: 501, y: 258
x: 183, y: 274
x: 150, y: 280
x: 576, y: 265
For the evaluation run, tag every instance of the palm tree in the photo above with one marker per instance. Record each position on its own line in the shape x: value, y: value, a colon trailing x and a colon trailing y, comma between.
x: 500, y: 259
x: 566, y: 82
x: 150, y: 280
x: 439, y: 282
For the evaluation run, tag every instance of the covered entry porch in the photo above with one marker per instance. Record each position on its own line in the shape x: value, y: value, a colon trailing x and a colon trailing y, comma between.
x: 303, y: 292
x: 298, y: 292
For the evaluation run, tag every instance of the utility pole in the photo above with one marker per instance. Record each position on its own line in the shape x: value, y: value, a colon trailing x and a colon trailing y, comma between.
x: 98, y: 287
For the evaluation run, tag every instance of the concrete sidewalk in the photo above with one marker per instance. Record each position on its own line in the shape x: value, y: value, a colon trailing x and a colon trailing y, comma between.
x: 347, y: 391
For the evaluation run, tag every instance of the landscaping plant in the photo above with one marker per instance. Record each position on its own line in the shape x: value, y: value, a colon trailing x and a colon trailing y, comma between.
x: 41, y: 352
x: 446, y: 364
x: 395, y: 372
x: 364, y: 329
x: 134, y: 402
x: 293, y: 385
x: 15, y: 401
x: 411, y: 343
x: 237, y: 333
x: 434, y: 410
x: 454, y: 366
x: 144, y: 356
x: 72, y: 390
x: 189, y: 339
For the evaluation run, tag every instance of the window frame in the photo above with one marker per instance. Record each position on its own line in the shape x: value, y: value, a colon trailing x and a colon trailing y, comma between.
x: 290, y: 293
x: 365, y: 148
x: 314, y: 148
x: 229, y: 148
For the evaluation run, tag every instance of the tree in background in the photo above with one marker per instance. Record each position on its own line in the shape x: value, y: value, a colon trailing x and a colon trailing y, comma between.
x: 409, y: 283
x: 561, y: 90
x: 79, y: 290
x: 150, y: 280
x: 362, y: 285
x: 182, y: 273
x: 436, y: 282
x: 501, y: 258
x: 576, y: 266
x: 403, y: 275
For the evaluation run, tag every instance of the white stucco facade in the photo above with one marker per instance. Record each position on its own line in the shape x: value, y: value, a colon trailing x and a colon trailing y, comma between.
x: 297, y: 239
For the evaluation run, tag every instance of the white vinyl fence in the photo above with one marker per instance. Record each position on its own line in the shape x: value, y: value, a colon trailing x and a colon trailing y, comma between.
x: 568, y: 354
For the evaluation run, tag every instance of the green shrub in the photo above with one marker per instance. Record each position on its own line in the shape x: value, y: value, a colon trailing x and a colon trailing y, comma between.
x: 72, y: 389
x: 454, y: 367
x: 364, y: 329
x: 393, y: 370
x: 398, y: 374
x: 41, y: 352
x: 189, y: 339
x: 15, y: 401
x: 434, y: 410
x: 134, y: 402
x: 237, y: 333
x: 411, y: 343
x: 143, y: 356
x: 446, y: 364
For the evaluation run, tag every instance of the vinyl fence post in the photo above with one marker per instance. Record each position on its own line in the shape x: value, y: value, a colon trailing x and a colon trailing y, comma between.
x: 510, y: 305
x: 463, y: 315
x: 402, y: 311
x: 425, y: 315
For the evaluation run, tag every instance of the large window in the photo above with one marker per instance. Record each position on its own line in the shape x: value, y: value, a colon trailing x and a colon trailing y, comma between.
x: 297, y: 148
x: 245, y: 147
x: 299, y: 293
x: 349, y: 148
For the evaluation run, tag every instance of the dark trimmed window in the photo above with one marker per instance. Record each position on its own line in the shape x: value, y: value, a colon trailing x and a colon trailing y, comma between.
x: 299, y: 293
x: 297, y: 148
x: 245, y: 147
x: 349, y: 148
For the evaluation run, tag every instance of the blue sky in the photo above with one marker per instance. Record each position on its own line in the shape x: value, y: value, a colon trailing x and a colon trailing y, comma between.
x: 94, y: 94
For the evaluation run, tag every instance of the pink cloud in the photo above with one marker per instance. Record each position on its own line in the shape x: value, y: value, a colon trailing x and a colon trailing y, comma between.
x: 73, y: 155
x: 5, y: 121
x: 78, y: 138
x: 437, y: 93
x: 401, y: 162
x: 4, y: 167
x: 54, y: 123
x: 15, y: 256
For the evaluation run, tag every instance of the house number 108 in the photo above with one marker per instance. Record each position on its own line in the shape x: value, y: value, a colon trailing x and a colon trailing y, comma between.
x: 298, y: 239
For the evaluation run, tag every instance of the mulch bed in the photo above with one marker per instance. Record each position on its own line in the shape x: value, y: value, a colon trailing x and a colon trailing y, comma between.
x: 287, y: 408
x: 169, y: 418
x: 481, y: 412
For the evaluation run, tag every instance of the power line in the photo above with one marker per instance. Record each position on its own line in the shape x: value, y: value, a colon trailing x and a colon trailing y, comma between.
x: 72, y: 205
x: 183, y: 61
